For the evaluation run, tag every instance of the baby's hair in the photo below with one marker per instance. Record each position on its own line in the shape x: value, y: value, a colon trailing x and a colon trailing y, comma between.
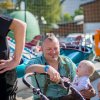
x: 90, y: 66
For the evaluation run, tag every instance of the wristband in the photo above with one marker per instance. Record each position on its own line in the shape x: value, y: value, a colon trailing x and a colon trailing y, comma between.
x: 46, y: 68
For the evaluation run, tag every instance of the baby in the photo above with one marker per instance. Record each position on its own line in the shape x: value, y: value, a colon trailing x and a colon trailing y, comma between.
x: 83, y: 72
x: 98, y: 88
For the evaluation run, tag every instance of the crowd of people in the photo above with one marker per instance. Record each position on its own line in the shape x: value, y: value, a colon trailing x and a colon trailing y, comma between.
x: 50, y: 67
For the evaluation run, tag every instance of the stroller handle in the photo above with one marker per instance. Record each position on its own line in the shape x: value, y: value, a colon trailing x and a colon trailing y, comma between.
x: 35, y: 90
x: 43, y: 97
x: 24, y: 79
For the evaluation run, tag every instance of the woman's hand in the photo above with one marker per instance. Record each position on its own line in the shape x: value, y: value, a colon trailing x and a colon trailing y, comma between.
x: 9, y: 64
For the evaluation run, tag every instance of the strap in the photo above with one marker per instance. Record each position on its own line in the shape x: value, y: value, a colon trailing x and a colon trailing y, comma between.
x: 67, y: 69
x: 66, y: 66
x: 37, y: 82
x: 46, y: 84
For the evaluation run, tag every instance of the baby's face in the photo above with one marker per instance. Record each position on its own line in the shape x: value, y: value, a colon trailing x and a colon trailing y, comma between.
x: 82, y: 70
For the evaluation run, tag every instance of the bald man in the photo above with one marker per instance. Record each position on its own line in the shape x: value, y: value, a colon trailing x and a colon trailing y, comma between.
x: 53, y: 65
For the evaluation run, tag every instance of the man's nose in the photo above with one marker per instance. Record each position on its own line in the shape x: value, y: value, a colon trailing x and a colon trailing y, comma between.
x: 53, y: 51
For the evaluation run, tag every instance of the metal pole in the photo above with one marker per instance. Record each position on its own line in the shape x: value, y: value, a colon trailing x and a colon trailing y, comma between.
x: 25, y: 9
x: 26, y: 16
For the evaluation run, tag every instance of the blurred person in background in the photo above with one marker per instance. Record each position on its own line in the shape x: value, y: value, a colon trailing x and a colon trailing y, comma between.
x: 8, y: 77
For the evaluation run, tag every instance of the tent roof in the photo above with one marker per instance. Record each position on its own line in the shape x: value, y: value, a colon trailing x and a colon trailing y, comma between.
x: 32, y: 23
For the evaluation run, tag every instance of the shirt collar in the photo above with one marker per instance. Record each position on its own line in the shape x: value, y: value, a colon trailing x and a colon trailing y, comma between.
x: 61, y: 61
x: 44, y: 60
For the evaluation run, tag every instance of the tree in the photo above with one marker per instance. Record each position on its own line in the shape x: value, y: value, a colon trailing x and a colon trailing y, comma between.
x: 7, y: 4
x: 47, y: 11
x: 67, y: 17
x: 79, y: 11
x: 62, y: 1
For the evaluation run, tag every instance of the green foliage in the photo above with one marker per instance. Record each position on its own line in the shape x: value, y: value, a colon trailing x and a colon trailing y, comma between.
x: 8, y: 4
x: 49, y: 9
x: 67, y: 17
x: 79, y: 12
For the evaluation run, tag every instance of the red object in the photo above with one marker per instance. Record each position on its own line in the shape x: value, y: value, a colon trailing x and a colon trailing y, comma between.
x: 33, y: 42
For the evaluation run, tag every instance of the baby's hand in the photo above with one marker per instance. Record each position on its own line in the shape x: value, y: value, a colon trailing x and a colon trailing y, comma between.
x: 65, y: 79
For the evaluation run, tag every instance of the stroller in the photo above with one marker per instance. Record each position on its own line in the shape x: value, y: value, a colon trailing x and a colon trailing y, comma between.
x: 37, y: 91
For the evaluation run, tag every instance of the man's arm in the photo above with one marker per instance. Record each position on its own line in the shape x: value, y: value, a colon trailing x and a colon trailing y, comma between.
x: 52, y: 72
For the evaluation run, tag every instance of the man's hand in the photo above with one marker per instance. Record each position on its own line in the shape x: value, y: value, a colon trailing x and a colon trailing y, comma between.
x: 6, y: 65
x: 88, y: 93
x: 54, y: 75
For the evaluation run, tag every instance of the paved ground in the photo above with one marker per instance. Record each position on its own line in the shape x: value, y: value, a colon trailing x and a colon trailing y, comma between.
x: 26, y: 94
x: 94, y: 83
